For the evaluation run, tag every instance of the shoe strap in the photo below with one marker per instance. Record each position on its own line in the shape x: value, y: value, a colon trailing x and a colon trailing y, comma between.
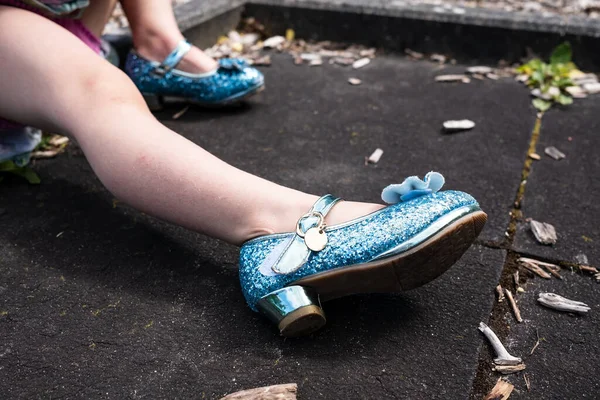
x: 294, y: 253
x: 171, y: 61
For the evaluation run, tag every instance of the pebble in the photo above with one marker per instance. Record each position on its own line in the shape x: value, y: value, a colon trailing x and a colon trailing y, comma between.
x: 462, y: 125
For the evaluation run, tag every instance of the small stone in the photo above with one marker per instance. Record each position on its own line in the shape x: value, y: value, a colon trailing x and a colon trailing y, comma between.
x: 361, y: 63
x: 544, y: 233
x: 535, y: 156
x: 354, y: 81
x: 452, y: 78
x: 481, y: 70
x: 554, y: 153
x: 462, y: 125
x: 273, y: 42
x: 592, y: 88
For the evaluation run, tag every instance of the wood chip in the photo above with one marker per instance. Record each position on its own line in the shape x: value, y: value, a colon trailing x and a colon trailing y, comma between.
x: 535, y: 156
x: 264, y: 61
x: 178, y: 114
x: 508, y: 369
x: 478, y: 77
x: 273, y: 42
x: 277, y: 392
x: 513, y: 305
x: 536, y: 269
x: 342, y: 61
x: 315, y: 63
x: 516, y: 280
x: 592, y: 88
x: 354, y: 81
x: 367, y: 53
x: 544, y: 233
x: 501, y: 391
x: 58, y: 140
x: 310, y: 56
x: 45, y: 154
x: 414, y: 54
x: 575, y: 91
x: 374, y: 158
x: 481, y: 70
x: 452, y: 78
x: 560, y: 303
x: 361, y: 63
x: 500, y: 294
x: 460, y: 125
x: 554, y: 153
x: 440, y: 58
x: 492, y: 76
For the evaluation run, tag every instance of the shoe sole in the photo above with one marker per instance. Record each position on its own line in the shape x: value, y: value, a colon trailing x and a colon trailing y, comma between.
x: 406, y: 271
x: 156, y: 102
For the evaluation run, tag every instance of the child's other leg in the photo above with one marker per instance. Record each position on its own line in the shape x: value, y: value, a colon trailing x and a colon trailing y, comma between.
x: 137, y: 158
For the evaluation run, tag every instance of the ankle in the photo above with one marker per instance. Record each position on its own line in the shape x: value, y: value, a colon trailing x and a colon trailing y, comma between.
x: 154, y: 44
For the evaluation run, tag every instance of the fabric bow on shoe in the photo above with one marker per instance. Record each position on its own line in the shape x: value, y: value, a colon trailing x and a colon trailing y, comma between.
x: 413, y: 187
x: 232, y: 64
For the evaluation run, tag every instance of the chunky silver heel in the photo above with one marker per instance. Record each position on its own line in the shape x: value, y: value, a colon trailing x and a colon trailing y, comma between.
x: 295, y: 309
x: 154, y: 102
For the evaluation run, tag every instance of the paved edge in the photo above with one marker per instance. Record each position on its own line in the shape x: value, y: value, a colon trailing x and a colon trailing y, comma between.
x: 198, y: 11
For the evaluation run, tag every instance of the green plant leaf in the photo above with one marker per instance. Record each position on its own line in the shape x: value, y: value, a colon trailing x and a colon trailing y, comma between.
x: 561, y: 54
x: 7, y: 166
x: 541, y: 104
x: 28, y: 174
x: 565, y: 100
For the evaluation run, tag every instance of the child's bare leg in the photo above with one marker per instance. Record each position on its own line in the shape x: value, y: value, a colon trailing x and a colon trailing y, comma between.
x: 137, y: 158
x: 96, y: 15
x: 155, y: 34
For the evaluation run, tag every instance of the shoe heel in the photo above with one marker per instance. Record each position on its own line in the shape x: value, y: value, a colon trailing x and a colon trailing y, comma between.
x: 154, y: 102
x: 295, y: 309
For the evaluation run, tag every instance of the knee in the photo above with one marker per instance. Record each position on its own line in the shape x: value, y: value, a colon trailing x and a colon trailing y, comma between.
x: 111, y: 87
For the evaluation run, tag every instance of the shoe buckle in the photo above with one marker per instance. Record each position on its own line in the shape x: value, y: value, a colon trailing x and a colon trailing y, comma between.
x: 315, y: 237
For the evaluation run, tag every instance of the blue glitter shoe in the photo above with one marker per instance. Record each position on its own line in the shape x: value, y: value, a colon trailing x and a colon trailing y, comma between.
x: 400, y: 247
x: 231, y: 82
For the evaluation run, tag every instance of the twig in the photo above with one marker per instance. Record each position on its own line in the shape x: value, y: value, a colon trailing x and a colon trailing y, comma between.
x: 534, y: 268
x: 553, y: 270
x: 503, y: 357
x: 560, y: 303
x: 527, y: 382
x: 501, y: 391
x: 180, y: 113
x: 516, y: 280
x: 513, y: 305
x: 536, y: 343
x: 587, y: 268
x: 509, y: 369
x: 500, y: 293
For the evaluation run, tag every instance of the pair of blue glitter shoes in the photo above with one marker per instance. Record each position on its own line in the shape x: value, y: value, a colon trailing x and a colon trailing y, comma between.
x: 415, y: 239
x: 233, y: 81
x: 16, y: 144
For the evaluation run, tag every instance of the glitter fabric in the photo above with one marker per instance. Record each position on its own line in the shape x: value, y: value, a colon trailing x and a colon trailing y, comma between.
x: 233, y: 80
x: 355, y: 242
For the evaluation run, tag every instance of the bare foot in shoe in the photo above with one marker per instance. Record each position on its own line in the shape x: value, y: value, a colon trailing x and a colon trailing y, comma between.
x: 194, y: 62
